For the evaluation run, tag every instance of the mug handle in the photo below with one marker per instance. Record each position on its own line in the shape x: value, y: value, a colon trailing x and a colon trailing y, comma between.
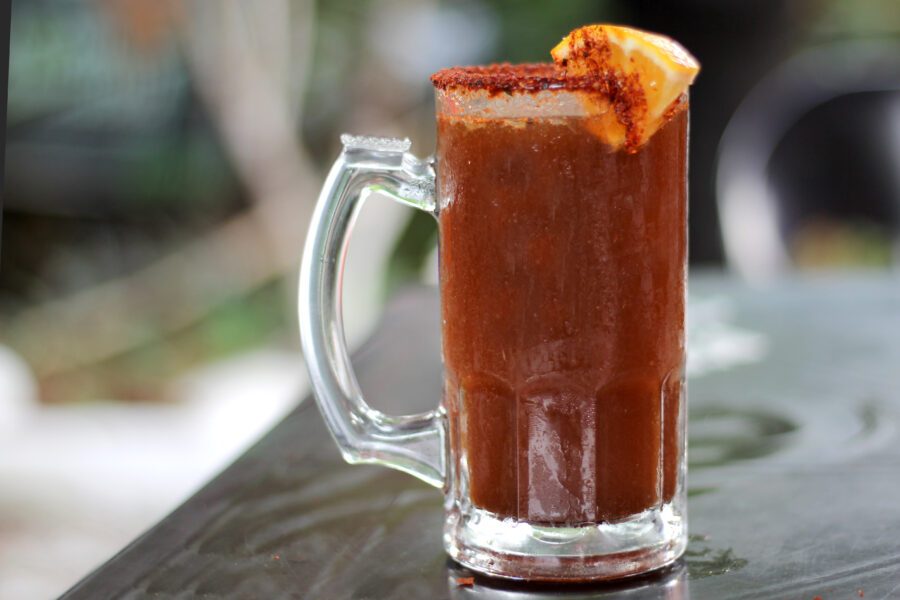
x: 416, y: 443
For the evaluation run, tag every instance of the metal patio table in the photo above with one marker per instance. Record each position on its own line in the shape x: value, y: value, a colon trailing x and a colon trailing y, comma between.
x: 794, y: 477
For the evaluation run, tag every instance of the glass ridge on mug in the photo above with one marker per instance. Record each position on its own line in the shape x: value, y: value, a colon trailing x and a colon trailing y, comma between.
x: 562, y: 213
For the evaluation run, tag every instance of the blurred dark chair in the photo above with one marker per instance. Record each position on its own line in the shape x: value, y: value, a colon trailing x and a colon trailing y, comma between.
x: 813, y: 153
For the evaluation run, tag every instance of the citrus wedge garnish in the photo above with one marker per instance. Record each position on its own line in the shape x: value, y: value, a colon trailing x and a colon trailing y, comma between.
x: 644, y: 77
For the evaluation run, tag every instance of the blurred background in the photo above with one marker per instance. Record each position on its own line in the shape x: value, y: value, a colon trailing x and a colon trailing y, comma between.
x: 163, y: 158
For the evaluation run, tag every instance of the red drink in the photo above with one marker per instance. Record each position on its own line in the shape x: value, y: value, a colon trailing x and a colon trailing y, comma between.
x: 563, y: 289
x: 561, y: 199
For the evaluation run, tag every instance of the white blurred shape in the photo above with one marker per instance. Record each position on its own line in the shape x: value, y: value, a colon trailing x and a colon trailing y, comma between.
x: 234, y: 402
x: 748, y: 206
x: 375, y: 231
x: 715, y: 344
x: 415, y: 39
x: 78, y: 482
x: 18, y: 391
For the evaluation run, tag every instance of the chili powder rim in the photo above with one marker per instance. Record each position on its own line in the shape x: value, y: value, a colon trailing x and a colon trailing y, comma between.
x: 507, y: 78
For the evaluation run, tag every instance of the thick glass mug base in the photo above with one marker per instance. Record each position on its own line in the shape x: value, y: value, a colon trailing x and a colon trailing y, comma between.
x: 590, y: 552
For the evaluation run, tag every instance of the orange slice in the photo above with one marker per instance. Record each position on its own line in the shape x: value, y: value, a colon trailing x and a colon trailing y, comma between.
x: 644, y: 74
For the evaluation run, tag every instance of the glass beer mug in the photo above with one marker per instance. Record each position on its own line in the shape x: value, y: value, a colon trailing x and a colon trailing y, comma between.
x: 559, y: 441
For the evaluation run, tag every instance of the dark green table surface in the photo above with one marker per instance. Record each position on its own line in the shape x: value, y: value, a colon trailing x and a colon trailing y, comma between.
x: 794, y: 477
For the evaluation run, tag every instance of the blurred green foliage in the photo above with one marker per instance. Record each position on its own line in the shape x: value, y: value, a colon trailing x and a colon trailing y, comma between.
x: 143, y: 373
x: 528, y: 30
